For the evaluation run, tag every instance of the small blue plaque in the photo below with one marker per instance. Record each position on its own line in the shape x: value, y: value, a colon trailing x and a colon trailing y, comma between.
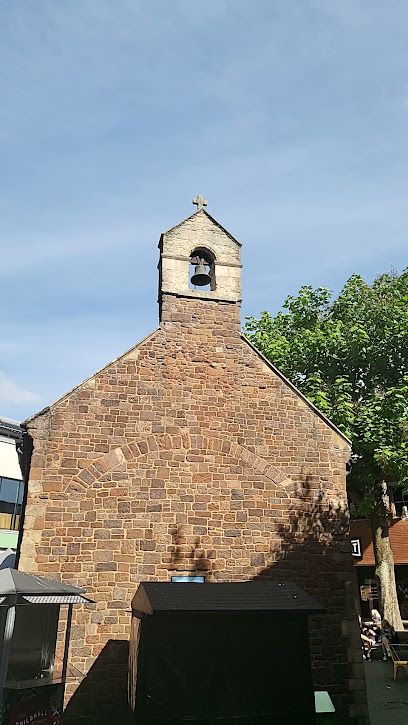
x: 188, y: 579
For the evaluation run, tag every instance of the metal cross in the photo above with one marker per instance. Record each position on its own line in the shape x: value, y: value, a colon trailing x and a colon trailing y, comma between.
x: 200, y: 202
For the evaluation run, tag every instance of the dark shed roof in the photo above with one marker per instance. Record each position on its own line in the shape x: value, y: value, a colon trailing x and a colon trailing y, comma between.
x: 17, y: 582
x: 223, y: 597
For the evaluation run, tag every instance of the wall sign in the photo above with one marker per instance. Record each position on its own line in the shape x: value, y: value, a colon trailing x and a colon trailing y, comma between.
x: 368, y: 590
x: 356, y: 547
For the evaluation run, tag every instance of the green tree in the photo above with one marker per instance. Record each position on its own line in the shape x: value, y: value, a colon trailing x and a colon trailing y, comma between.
x: 349, y: 356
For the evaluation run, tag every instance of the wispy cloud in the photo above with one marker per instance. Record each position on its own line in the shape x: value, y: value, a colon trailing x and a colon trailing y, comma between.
x: 12, y: 393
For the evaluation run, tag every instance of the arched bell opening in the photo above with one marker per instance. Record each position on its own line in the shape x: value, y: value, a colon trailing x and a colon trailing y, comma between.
x: 202, y: 269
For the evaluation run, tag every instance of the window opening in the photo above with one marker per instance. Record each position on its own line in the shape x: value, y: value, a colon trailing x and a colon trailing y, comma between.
x: 202, y: 270
x: 400, y: 499
x: 11, y: 499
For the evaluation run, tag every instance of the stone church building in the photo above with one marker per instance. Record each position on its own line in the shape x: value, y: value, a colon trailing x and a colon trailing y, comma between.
x: 191, y: 454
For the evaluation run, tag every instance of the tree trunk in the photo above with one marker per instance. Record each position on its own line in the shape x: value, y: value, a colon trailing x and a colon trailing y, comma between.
x: 384, y: 560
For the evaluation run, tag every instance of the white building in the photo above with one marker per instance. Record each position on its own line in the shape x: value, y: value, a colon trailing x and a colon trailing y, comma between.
x: 11, y: 484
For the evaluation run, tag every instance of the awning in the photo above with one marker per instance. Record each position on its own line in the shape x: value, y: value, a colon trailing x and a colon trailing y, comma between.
x: 38, y: 590
x: 64, y: 599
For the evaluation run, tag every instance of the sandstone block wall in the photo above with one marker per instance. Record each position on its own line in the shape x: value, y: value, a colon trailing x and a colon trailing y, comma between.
x: 189, y: 454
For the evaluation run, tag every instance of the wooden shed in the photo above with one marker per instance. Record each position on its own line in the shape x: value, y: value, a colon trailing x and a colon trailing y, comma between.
x: 227, y: 652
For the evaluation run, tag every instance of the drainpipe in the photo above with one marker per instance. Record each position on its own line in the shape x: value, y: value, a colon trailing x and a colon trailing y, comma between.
x: 25, y: 447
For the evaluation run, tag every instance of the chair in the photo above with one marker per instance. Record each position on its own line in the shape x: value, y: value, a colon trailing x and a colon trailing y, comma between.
x: 397, y: 661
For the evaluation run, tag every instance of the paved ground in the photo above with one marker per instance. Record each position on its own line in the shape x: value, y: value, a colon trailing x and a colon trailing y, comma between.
x: 387, y: 700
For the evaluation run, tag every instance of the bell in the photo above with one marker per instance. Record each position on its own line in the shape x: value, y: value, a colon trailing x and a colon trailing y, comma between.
x: 200, y: 277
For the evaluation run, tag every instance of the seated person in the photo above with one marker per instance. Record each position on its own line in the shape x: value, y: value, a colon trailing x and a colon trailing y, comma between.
x: 388, y: 636
x: 367, y: 639
x: 376, y: 624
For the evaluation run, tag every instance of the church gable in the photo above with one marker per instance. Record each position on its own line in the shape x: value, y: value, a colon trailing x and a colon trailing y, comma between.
x: 189, y: 453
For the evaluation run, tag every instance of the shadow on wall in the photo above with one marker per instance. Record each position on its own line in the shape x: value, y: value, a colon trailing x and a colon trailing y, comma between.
x: 102, y: 695
x: 310, y: 546
x: 192, y: 556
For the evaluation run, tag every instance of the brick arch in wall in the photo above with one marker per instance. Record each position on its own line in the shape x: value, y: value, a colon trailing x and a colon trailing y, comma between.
x: 152, y: 444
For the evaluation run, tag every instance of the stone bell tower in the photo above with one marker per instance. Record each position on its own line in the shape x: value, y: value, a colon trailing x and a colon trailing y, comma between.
x: 198, y: 241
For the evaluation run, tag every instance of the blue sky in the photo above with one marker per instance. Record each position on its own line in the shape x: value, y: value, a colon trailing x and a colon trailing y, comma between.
x: 289, y: 117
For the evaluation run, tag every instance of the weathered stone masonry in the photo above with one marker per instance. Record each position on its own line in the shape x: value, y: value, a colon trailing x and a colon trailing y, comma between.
x: 191, y: 454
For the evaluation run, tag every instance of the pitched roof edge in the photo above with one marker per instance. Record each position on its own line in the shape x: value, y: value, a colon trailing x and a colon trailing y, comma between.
x: 202, y: 211
x: 76, y: 387
x: 223, y: 228
x: 295, y: 390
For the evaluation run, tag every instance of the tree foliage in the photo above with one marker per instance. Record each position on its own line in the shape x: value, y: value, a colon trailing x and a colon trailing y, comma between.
x: 349, y: 356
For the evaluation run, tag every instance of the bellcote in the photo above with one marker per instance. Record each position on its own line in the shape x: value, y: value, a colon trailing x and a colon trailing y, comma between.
x: 200, y: 239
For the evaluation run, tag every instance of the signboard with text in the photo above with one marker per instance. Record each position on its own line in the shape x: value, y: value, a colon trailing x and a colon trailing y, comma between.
x: 356, y: 547
x: 33, y: 706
